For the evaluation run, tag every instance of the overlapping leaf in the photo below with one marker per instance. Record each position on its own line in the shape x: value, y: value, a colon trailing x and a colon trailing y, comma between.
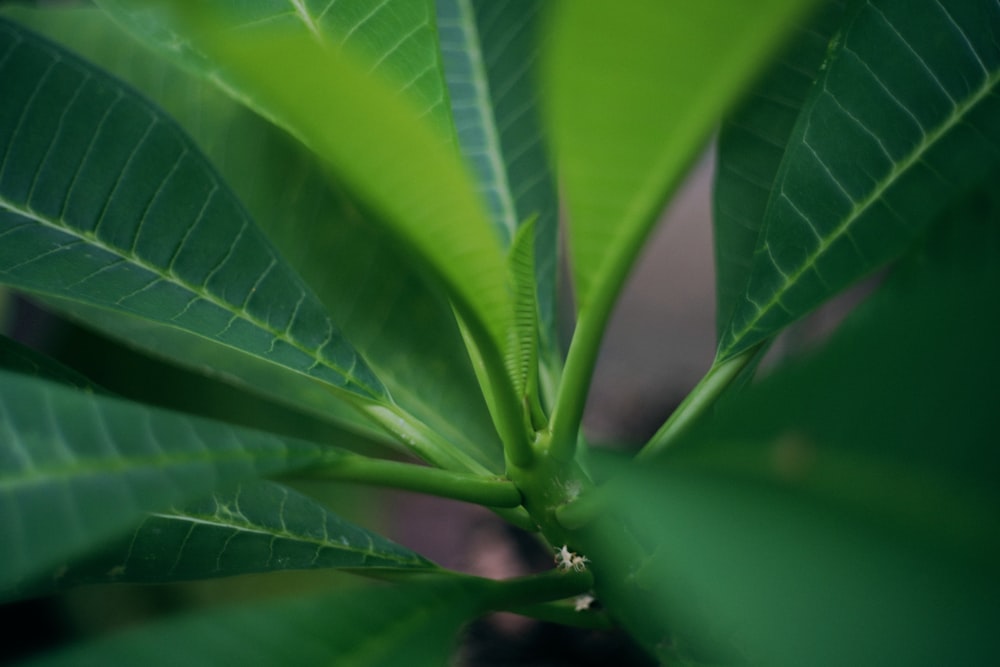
x: 905, y: 116
x: 104, y: 200
x: 371, y: 134
x: 489, y: 52
x: 415, y: 625
x: 853, y: 525
x: 259, y: 527
x: 751, y: 143
x: 77, y: 468
x: 401, y: 325
x: 396, y: 36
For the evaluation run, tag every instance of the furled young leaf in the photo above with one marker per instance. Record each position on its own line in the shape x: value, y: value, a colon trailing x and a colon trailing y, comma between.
x: 412, y: 625
x: 857, y: 524
x: 104, y: 200
x: 751, y: 143
x: 489, y: 52
x: 905, y: 116
x: 522, y: 350
x: 370, y: 133
x: 400, y: 324
x: 633, y: 91
x: 77, y: 468
x: 258, y: 527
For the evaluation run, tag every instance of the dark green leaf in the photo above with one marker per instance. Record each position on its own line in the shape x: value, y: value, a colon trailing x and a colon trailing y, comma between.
x: 905, y: 116
x: 845, y: 510
x: 751, y: 143
x: 77, y: 468
x: 413, y: 625
x: 402, y: 326
x: 489, y: 51
x: 259, y: 527
x: 104, y: 200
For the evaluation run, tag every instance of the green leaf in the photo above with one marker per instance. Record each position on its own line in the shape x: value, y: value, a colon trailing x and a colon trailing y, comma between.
x: 258, y: 527
x: 396, y: 36
x: 844, y: 510
x: 522, y: 349
x: 361, y: 124
x: 401, y: 325
x: 630, y: 110
x: 104, y: 200
x: 412, y: 625
x: 489, y: 51
x: 76, y: 469
x: 905, y: 117
x: 751, y: 143
x: 632, y: 93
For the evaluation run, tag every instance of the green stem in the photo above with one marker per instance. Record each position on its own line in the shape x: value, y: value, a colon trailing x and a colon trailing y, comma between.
x: 573, y: 387
x: 538, y: 588
x: 433, y: 481
x: 491, y: 371
x: 701, y: 398
x: 565, y: 613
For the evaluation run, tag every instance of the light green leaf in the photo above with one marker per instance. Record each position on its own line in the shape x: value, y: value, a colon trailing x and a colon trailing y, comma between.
x: 412, y: 625
x: 632, y: 93
x: 105, y: 201
x: 259, y: 527
x: 905, y: 116
x: 844, y: 510
x: 401, y: 325
x: 369, y: 132
x: 751, y: 143
x: 76, y: 469
x: 489, y: 52
x: 396, y: 36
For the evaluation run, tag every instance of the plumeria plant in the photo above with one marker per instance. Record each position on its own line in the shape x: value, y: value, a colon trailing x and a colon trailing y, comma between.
x: 350, y: 211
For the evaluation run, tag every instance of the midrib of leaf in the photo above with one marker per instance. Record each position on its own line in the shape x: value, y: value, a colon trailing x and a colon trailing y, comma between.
x: 117, y: 463
x: 324, y: 542
x: 484, y: 108
x: 900, y: 167
x: 165, y: 276
x: 303, y: 13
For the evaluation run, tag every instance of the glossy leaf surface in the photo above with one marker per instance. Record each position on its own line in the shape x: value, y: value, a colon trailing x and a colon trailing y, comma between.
x: 489, y: 51
x: 77, y: 468
x: 751, y: 144
x: 404, y: 328
x: 905, y: 117
x: 857, y: 524
x: 104, y: 200
x: 259, y: 527
x: 415, y: 625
